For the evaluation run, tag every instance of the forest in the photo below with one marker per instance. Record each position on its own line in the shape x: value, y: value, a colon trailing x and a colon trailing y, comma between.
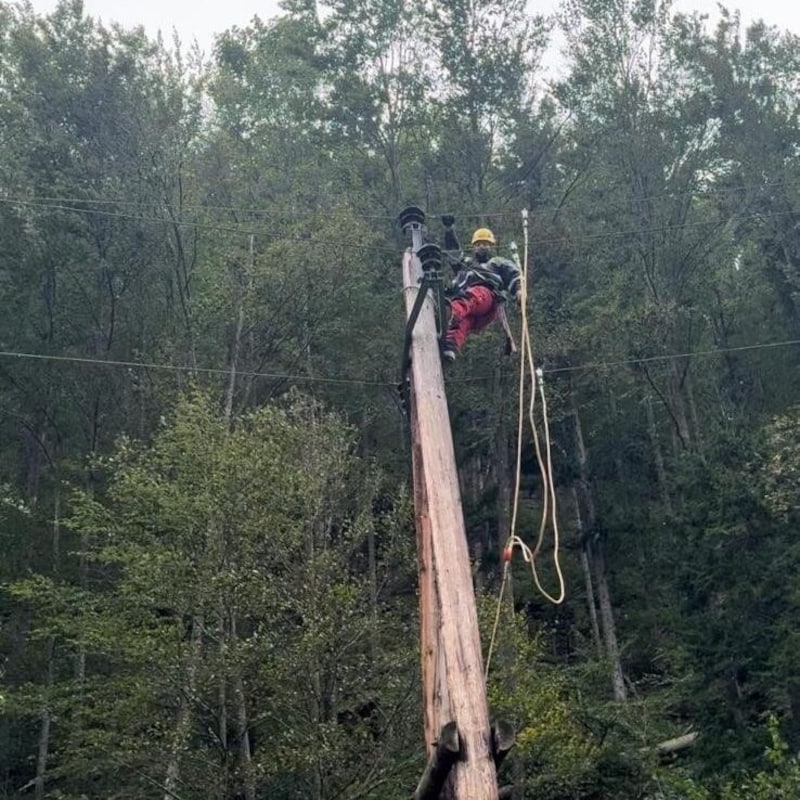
x: 208, y: 582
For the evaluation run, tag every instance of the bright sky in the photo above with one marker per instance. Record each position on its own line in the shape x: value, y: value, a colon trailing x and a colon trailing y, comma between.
x: 196, y: 19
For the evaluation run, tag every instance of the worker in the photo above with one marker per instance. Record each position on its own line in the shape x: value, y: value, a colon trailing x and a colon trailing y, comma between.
x: 481, y: 286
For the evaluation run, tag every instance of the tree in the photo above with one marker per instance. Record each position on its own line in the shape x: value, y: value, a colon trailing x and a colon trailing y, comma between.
x: 272, y: 517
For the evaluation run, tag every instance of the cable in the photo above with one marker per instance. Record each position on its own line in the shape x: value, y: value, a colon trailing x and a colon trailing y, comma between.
x: 201, y: 226
x: 179, y: 368
x: 358, y: 382
x: 670, y: 356
x: 545, y: 202
x: 644, y: 360
x: 386, y: 249
x: 658, y: 228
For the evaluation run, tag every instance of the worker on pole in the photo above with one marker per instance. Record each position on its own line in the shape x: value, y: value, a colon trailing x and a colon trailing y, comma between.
x: 482, y: 284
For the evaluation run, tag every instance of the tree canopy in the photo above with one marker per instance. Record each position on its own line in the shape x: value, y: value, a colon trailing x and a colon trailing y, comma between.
x: 209, y: 580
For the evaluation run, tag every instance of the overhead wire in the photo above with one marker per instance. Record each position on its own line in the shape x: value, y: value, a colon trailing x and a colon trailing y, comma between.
x: 592, y: 365
x: 375, y: 248
x: 250, y: 229
x: 188, y: 369
x: 543, y: 202
x: 670, y: 356
x: 244, y: 231
x: 600, y: 365
x: 274, y: 234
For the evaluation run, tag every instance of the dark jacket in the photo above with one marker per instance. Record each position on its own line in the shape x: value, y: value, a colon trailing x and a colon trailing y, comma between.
x: 501, y: 275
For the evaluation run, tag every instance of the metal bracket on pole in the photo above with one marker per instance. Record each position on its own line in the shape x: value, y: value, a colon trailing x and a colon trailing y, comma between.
x: 430, y: 256
x: 503, y: 738
x: 412, y: 219
x: 446, y: 753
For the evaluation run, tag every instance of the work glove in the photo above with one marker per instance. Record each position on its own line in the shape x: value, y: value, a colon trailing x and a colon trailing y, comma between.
x: 448, y: 220
x: 450, y: 241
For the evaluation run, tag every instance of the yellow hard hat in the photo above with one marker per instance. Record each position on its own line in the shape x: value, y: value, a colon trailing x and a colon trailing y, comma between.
x: 483, y: 235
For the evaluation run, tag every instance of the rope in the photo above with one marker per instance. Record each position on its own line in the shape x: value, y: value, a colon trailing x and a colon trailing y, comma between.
x: 496, y: 620
x: 545, y: 463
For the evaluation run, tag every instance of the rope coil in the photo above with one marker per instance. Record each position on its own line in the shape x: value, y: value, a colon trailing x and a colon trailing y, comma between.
x: 549, y: 510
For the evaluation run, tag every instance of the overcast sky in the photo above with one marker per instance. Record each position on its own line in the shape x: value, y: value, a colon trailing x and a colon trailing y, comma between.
x: 201, y: 19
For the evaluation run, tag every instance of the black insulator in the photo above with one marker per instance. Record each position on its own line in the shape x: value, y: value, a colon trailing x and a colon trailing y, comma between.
x: 411, y: 215
x: 430, y: 257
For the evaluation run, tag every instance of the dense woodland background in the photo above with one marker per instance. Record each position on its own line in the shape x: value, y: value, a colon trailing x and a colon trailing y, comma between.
x: 208, y: 574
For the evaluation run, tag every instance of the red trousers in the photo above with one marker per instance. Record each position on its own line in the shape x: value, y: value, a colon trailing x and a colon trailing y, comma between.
x: 470, y: 313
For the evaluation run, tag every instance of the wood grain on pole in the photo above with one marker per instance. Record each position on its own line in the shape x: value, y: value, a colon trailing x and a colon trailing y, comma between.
x: 436, y: 710
x: 474, y: 776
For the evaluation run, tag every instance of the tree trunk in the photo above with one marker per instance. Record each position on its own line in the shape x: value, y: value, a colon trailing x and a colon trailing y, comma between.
x: 83, y: 579
x: 222, y: 700
x: 785, y: 293
x: 318, y: 715
x: 236, y: 345
x: 183, y: 723
x: 658, y: 457
x: 44, y: 727
x: 500, y: 457
x: 34, y: 449
x: 227, y: 634
x: 46, y: 715
x: 372, y: 565
x: 619, y: 466
x: 34, y: 446
x: 587, y: 577
x: 693, y: 415
x: 607, y: 619
x: 594, y: 552
x: 242, y: 729
x: 677, y: 403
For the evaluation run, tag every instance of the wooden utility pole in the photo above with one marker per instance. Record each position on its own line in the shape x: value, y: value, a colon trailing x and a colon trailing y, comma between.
x: 454, y: 690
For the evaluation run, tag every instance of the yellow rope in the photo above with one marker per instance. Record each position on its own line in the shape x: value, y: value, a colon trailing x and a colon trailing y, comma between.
x: 545, y: 463
x: 506, y: 566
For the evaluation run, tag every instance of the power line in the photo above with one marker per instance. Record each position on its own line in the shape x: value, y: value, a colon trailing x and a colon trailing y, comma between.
x: 242, y: 231
x: 181, y: 368
x: 544, y: 202
x: 591, y: 365
x: 659, y: 228
x: 132, y: 217
x: 670, y: 356
x: 46, y: 200
x: 385, y: 249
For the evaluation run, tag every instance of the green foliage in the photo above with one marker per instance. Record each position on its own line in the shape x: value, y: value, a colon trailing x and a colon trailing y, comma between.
x: 781, y: 471
x: 780, y: 778
x: 222, y: 556
x: 234, y: 222
x: 526, y: 691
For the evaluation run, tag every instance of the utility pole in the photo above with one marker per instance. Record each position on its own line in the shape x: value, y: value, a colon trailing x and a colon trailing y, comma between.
x: 462, y: 749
